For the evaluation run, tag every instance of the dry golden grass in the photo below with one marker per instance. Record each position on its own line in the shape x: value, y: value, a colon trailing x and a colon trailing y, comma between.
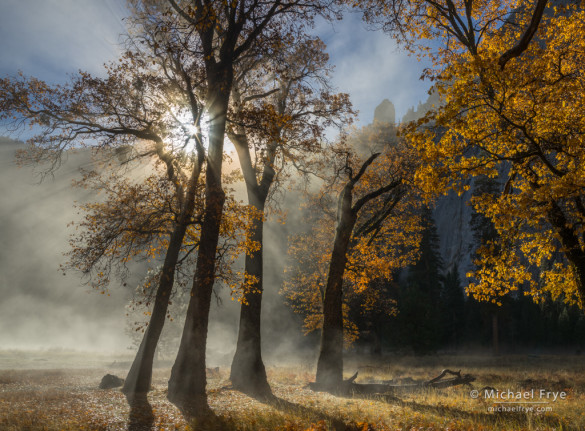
x: 69, y: 399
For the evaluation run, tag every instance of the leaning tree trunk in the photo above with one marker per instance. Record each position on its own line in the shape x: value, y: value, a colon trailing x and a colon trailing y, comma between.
x: 248, y: 373
x: 188, y: 381
x: 330, y: 364
x: 140, y: 374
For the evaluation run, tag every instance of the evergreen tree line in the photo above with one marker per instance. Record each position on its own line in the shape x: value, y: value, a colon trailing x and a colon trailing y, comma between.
x: 433, y: 313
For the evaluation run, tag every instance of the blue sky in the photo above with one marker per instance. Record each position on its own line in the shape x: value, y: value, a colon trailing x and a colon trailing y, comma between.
x: 371, y: 67
x: 51, y: 38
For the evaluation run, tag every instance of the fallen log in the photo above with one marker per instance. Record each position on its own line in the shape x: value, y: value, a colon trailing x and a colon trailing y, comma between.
x: 349, y: 387
x: 438, y: 382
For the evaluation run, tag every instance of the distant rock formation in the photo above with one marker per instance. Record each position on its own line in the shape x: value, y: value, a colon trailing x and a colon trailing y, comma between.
x: 413, y: 114
x: 385, y: 112
x: 452, y: 215
x: 452, y: 212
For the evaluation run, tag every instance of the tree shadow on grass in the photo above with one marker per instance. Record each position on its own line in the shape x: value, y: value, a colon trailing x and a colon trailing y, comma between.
x: 509, y: 419
x: 213, y: 422
x: 141, y: 416
x: 314, y: 415
x: 200, y: 417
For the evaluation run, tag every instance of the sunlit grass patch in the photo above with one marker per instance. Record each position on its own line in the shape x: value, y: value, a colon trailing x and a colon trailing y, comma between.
x: 47, y: 400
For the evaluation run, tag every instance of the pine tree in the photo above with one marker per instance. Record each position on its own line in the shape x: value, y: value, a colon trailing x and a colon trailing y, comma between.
x: 484, y: 232
x: 419, y: 315
x: 452, y: 308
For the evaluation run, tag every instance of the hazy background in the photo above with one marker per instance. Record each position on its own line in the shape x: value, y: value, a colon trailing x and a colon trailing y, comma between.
x: 40, y: 307
x: 52, y: 38
x: 43, y: 309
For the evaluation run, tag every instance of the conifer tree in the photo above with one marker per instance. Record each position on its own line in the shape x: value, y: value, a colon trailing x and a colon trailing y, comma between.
x: 419, y: 315
x: 452, y: 308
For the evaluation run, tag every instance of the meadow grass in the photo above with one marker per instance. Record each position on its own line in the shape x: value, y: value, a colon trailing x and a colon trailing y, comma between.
x: 69, y: 398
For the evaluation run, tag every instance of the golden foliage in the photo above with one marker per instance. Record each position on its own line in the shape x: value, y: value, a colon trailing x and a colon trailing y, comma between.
x: 520, y: 122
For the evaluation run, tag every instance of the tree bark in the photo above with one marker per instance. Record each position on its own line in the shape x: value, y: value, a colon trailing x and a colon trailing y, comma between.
x: 248, y: 373
x: 349, y: 387
x: 330, y: 364
x: 527, y: 36
x: 140, y: 375
x: 188, y: 380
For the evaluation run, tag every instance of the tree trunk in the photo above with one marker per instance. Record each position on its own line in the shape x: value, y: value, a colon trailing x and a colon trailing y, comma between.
x: 570, y: 242
x: 349, y: 387
x: 140, y: 374
x: 247, y: 372
x: 330, y: 364
x: 188, y: 380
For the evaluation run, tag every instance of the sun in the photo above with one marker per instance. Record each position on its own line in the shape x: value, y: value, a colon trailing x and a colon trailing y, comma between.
x: 185, y: 131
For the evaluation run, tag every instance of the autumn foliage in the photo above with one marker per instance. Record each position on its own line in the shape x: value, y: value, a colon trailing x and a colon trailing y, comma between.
x: 509, y: 77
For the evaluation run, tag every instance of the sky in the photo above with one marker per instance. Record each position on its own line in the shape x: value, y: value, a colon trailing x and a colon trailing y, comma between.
x: 371, y: 67
x: 51, y: 39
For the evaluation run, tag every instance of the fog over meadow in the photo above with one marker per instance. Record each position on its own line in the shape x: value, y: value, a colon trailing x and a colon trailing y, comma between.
x: 41, y: 307
x: 44, y: 309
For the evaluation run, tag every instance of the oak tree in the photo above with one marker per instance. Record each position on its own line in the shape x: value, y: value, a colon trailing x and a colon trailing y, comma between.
x: 144, y: 108
x: 219, y: 34
x: 281, y: 107
x: 375, y: 233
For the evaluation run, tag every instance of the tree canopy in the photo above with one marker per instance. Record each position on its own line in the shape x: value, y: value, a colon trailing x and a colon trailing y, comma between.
x: 510, y: 77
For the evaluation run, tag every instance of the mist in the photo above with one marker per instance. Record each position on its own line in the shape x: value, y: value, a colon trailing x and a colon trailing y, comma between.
x: 44, y: 309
